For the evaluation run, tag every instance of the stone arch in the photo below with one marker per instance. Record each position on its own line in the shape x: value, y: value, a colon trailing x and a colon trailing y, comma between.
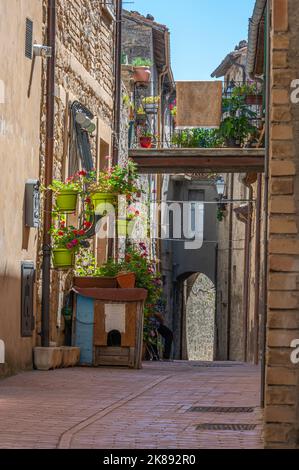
x: 200, y: 318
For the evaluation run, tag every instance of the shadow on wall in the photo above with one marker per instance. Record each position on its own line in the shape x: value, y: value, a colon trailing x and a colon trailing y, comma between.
x: 200, y: 318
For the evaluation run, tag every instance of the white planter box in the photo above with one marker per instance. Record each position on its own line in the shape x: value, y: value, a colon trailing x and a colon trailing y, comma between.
x: 48, y: 358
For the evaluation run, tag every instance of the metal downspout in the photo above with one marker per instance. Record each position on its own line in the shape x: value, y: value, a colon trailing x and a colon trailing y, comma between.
x: 117, y: 102
x: 49, y: 150
x: 266, y: 202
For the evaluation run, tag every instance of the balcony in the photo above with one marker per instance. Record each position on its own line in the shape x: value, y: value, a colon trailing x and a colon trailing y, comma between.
x: 235, y: 147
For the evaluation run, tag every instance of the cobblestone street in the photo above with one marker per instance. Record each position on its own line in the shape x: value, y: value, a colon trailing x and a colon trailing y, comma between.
x: 127, y: 409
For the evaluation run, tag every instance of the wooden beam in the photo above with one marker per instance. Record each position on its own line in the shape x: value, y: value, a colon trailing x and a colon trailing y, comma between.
x: 177, y: 160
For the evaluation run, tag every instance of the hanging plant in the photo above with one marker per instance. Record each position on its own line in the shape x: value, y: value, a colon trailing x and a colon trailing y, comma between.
x: 67, y: 241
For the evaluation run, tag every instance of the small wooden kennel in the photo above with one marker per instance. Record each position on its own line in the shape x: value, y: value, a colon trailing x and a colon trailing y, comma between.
x: 108, y: 326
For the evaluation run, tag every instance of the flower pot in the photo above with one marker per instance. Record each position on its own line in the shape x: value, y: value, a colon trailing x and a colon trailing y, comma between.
x: 126, y: 280
x: 254, y: 100
x: 66, y: 201
x: 93, y: 282
x: 48, y: 358
x: 103, y: 203
x: 122, y: 228
x: 146, y: 142
x: 63, y: 258
x: 142, y: 74
x: 140, y: 119
x: 151, y: 108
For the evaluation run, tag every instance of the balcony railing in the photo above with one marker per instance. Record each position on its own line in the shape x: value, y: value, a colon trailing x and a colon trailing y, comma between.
x: 153, y: 120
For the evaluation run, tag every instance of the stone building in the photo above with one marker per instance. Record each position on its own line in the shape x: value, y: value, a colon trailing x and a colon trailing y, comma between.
x: 84, y: 80
x: 275, y: 27
x: 19, y: 156
x: 240, y: 247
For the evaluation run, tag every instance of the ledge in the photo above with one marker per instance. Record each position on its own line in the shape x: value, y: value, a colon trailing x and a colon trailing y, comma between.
x: 113, y: 295
x: 179, y: 160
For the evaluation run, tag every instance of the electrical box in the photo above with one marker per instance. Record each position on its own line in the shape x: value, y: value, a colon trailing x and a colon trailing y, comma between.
x: 27, y: 298
x: 32, y: 203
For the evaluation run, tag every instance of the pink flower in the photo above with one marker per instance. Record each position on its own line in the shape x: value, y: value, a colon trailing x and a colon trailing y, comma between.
x: 69, y: 246
x: 75, y: 242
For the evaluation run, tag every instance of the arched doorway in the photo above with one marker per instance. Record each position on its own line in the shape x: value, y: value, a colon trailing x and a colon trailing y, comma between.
x: 200, y: 318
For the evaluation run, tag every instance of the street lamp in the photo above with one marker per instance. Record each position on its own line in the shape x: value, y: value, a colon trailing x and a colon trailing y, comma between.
x: 220, y: 186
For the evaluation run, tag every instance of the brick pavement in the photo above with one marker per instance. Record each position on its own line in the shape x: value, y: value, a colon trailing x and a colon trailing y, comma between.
x: 125, y: 409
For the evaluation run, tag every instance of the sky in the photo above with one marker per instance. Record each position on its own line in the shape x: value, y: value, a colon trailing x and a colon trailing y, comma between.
x: 203, y: 32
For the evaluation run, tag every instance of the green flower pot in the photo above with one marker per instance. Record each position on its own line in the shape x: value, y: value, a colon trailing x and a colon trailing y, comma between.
x: 125, y: 227
x: 66, y: 201
x: 103, y: 202
x: 63, y: 258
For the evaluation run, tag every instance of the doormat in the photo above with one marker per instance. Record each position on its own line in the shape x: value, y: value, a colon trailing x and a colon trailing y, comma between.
x: 225, y: 427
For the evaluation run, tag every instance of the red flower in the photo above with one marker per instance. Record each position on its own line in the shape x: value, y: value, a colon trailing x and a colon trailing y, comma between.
x: 75, y: 242
x: 75, y: 232
x: 81, y: 232
x: 69, y: 246
x: 60, y: 233
x: 137, y: 213
x: 88, y: 200
x: 87, y: 224
x: 82, y: 173
x: 62, y: 224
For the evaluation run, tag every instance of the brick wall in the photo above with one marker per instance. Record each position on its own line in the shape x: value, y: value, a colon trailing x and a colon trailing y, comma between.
x: 282, y: 378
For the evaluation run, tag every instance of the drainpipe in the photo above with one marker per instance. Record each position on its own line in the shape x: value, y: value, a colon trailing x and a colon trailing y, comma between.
x: 117, y: 102
x: 230, y: 265
x: 247, y: 269
x: 49, y: 150
x: 257, y: 269
x: 266, y: 200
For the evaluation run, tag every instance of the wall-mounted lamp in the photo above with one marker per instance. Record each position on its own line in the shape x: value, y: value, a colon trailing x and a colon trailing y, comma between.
x: 40, y: 50
x: 85, y: 122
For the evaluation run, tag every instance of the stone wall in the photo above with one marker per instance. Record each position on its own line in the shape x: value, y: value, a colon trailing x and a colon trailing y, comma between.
x: 84, y: 72
x: 19, y: 156
x: 282, y: 379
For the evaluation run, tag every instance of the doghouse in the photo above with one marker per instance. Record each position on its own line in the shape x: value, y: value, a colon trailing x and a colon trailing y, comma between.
x: 108, y: 326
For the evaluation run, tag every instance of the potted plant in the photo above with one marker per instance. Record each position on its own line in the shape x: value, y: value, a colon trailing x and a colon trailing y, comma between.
x: 88, y: 275
x: 237, y: 125
x: 67, y: 242
x: 252, y: 96
x: 118, y: 180
x: 125, y: 225
x: 66, y: 194
x: 151, y: 104
x: 146, y: 139
x: 140, y: 116
x: 142, y: 70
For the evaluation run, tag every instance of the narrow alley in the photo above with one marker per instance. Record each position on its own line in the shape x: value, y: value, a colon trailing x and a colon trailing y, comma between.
x: 105, y: 408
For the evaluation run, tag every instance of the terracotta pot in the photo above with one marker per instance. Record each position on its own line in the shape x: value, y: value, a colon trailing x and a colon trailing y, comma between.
x: 146, y: 142
x: 126, y: 280
x: 100, y: 282
x: 254, y: 100
x: 142, y: 74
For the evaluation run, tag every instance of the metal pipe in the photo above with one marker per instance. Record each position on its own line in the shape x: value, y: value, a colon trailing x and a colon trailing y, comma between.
x: 117, y: 102
x: 266, y: 201
x: 257, y: 269
x: 247, y: 269
x: 49, y: 151
x: 230, y: 264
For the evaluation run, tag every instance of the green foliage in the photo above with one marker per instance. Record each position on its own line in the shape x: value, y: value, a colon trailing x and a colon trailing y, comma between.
x: 237, y: 124
x: 141, y: 62
x: 151, y: 100
x: 117, y: 180
x: 67, y: 237
x: 195, y: 138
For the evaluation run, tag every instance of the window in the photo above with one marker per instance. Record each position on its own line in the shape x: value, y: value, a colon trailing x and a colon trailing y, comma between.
x: 28, y: 38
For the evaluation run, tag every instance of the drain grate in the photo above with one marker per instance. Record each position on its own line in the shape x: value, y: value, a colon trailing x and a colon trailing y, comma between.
x: 225, y: 427
x: 221, y: 409
x: 215, y: 365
